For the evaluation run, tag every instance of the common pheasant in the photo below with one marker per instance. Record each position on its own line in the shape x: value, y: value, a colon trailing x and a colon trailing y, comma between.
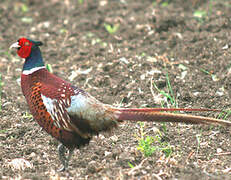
x: 73, y: 116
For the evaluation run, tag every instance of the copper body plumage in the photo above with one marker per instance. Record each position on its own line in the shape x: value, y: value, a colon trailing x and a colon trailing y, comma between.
x: 42, y: 82
x: 71, y: 115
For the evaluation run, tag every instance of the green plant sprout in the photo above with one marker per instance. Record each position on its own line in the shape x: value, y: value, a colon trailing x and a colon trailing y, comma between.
x: 130, y: 165
x: 49, y: 68
x: 27, y: 115
x: 213, y: 76
x: 111, y: 29
x: 24, y: 8
x: 95, y: 40
x: 80, y: 1
x: 164, y: 146
x: 63, y: 31
x: 224, y: 114
x: 198, y: 137
x: 169, y: 95
x: 201, y: 14
x: 164, y: 4
x: 146, y: 144
x: 3, y: 131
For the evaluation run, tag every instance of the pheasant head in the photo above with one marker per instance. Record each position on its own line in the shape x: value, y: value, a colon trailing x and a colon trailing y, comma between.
x: 25, y: 46
x: 29, y: 50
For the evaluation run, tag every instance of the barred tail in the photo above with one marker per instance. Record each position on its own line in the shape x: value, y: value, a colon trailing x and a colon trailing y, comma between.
x: 156, y: 115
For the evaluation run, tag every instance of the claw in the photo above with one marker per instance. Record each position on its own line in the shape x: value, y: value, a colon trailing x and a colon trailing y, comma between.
x: 62, y: 169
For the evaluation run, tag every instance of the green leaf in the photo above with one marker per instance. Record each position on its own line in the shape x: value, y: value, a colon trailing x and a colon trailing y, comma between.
x: 199, y: 14
x: 183, y: 67
x: 111, y: 29
x: 164, y: 4
x: 80, y: 1
x: 49, y: 68
x: 130, y: 165
x: 27, y: 20
x: 24, y: 8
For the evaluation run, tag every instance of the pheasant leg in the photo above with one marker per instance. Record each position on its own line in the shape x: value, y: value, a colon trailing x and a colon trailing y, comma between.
x: 64, y: 160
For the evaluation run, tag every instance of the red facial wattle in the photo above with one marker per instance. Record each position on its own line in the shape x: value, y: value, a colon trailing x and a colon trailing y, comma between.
x: 25, y: 49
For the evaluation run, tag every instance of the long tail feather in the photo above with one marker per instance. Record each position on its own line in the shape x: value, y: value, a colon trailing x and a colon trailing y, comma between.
x: 155, y: 115
x: 168, y: 109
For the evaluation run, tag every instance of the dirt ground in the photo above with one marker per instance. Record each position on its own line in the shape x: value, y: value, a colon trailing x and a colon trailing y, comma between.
x: 153, y: 38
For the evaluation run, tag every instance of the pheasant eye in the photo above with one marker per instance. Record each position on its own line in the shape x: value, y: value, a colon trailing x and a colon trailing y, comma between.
x: 26, y: 43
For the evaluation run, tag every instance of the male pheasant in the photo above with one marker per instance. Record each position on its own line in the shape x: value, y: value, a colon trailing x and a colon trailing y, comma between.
x: 73, y: 116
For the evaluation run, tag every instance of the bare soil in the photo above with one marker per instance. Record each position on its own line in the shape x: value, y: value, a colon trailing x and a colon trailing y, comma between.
x: 152, y: 39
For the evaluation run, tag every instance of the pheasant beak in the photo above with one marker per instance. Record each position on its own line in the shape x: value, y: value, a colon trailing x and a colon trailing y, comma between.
x: 15, y: 45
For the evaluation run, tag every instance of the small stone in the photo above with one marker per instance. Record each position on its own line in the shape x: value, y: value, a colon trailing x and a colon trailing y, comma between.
x: 219, y: 150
